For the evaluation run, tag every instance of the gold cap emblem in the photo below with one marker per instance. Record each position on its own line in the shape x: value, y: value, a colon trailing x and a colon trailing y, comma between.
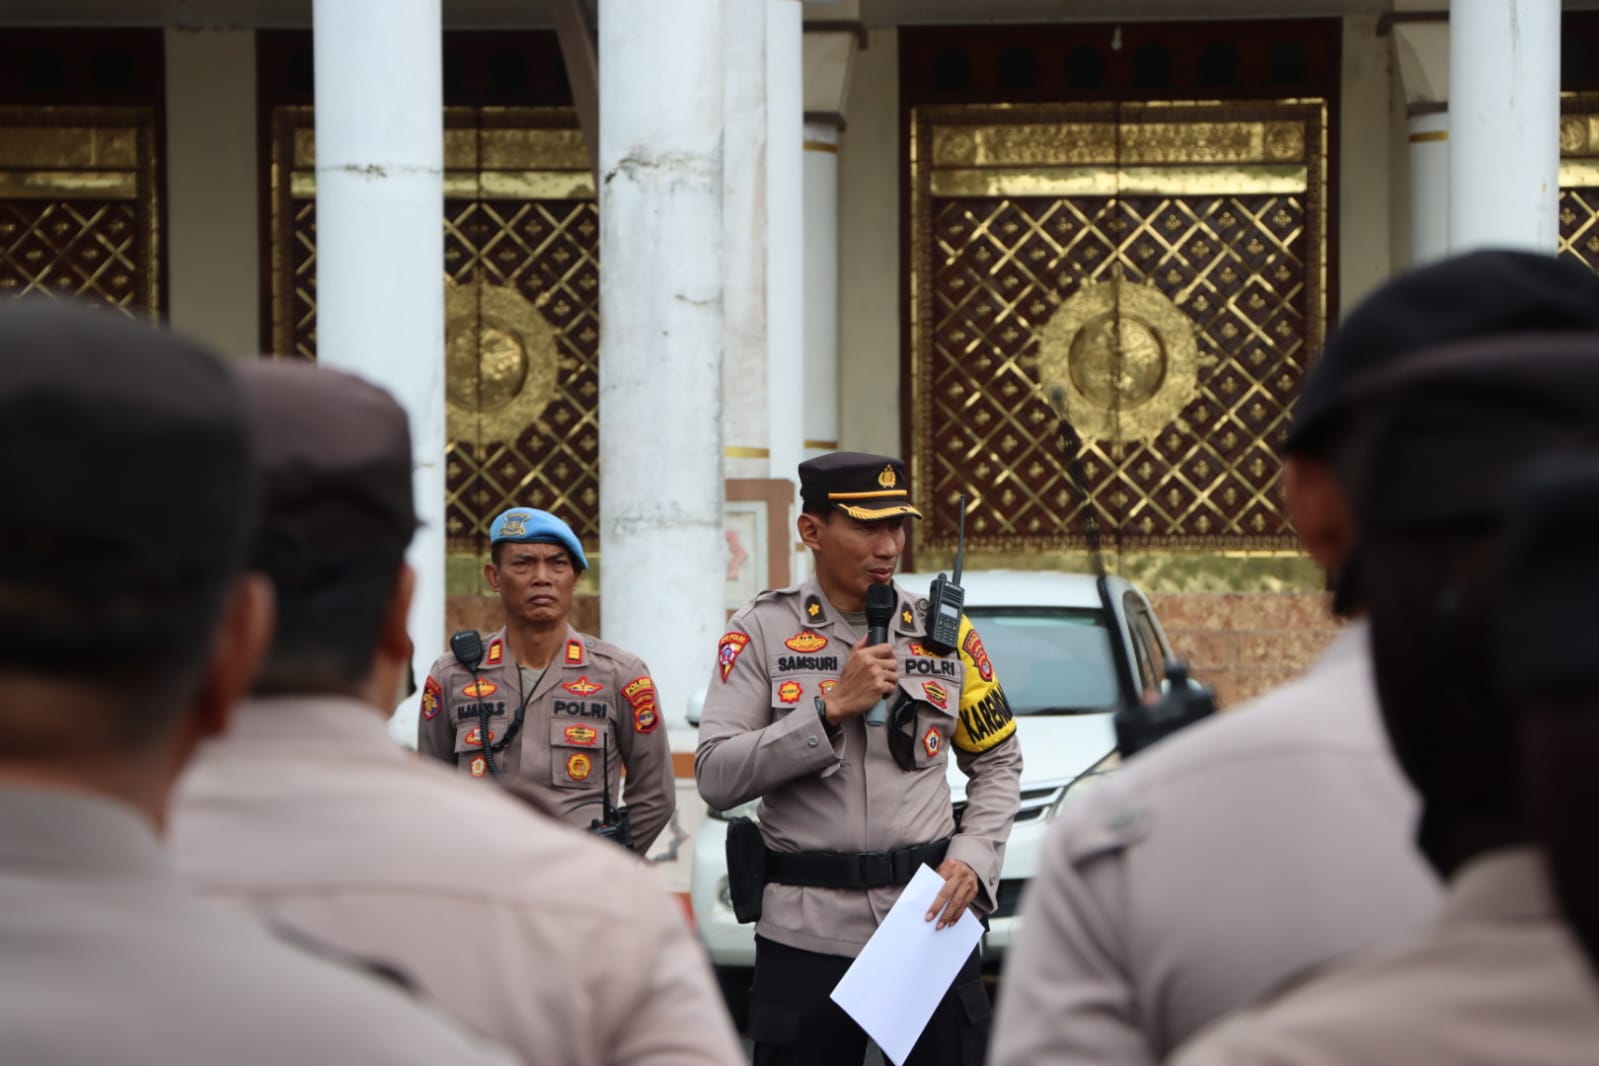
x: 887, y: 478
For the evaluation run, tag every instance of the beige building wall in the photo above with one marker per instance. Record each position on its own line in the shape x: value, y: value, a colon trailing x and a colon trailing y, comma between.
x: 869, y: 252
x: 1368, y: 185
x: 213, y: 259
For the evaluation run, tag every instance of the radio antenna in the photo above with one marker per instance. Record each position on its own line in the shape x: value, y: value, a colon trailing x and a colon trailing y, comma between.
x: 960, y: 544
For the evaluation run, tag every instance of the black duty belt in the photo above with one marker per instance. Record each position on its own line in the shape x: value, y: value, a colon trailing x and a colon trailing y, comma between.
x: 852, y: 869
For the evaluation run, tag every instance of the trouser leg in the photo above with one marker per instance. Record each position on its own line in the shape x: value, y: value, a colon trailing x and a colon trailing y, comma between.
x: 957, y: 1033
x: 792, y: 1019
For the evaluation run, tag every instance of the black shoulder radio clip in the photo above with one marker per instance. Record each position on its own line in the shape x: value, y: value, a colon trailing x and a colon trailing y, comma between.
x: 946, y: 599
x: 467, y: 647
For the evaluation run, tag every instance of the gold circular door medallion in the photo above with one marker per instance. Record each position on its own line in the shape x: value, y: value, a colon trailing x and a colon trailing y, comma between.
x: 1125, y: 357
x: 501, y: 361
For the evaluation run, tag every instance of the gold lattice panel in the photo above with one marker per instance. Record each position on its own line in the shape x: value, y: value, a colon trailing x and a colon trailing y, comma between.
x: 1158, y: 270
x: 1579, y: 179
x: 521, y: 245
x: 78, y: 204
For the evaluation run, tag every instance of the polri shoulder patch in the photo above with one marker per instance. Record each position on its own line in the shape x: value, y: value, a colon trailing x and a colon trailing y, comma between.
x: 727, y: 652
x: 432, y: 698
x: 640, y: 695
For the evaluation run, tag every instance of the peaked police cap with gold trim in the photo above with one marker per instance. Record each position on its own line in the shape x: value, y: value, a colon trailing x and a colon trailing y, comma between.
x: 866, y: 487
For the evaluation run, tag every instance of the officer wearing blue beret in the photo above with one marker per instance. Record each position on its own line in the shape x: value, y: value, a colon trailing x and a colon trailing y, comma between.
x: 551, y: 713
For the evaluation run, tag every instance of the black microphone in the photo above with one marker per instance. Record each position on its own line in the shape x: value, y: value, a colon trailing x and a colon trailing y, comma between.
x: 880, y: 601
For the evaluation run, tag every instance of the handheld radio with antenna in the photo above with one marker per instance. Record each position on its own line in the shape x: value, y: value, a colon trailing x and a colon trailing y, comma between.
x: 946, y: 599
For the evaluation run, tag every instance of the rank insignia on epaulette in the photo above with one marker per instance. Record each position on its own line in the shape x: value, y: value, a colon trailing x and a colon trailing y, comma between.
x: 574, y: 651
x: 813, y: 608
x: 906, y: 617
x: 496, y: 653
x: 480, y: 766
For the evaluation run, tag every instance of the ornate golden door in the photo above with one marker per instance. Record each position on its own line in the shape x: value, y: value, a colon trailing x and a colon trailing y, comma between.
x: 79, y: 207
x: 521, y: 313
x: 1158, y: 267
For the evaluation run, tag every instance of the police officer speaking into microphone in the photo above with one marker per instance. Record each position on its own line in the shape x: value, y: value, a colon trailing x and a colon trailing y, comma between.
x: 551, y: 713
x: 851, y: 808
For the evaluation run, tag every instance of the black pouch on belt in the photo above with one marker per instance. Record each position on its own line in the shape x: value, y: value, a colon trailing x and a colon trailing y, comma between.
x: 746, y: 868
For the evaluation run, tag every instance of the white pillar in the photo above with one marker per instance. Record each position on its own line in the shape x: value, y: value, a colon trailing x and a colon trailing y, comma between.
x: 1429, y: 186
x: 821, y: 288
x: 785, y: 250
x: 746, y: 431
x: 380, y: 247
x: 661, y: 549
x: 1504, y: 124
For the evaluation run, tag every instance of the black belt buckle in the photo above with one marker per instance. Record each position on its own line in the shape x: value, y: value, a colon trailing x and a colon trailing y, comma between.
x: 905, y: 864
x: 877, y: 869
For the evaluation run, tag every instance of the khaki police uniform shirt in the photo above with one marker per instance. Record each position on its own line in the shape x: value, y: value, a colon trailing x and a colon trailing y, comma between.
x: 595, y: 706
x: 106, y: 957
x: 760, y: 736
x: 561, y: 946
x: 1212, y: 867
x: 1497, y: 979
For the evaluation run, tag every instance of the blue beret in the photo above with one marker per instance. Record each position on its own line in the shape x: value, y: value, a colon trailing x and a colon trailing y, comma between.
x: 526, y: 525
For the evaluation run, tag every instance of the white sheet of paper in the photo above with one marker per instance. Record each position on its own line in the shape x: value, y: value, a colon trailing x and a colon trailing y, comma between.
x: 895, y: 983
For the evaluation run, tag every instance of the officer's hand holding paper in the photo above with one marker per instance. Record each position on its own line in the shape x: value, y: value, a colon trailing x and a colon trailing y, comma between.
x: 905, y: 968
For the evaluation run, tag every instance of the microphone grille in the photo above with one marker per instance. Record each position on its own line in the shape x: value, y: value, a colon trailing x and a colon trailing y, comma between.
x: 880, y: 600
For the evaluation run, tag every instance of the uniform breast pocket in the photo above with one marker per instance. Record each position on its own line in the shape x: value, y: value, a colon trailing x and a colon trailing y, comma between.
x: 580, y: 748
x: 924, y: 722
x: 470, y: 740
x: 791, y: 692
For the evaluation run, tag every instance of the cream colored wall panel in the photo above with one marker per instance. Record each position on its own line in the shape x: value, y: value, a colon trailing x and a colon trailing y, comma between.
x: 869, y: 252
x: 1366, y: 222
x: 213, y: 260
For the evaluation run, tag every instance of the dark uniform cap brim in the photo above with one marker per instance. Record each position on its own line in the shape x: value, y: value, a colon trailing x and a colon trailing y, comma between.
x: 336, y: 470
x: 129, y: 485
x: 1481, y: 294
x: 867, y: 487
